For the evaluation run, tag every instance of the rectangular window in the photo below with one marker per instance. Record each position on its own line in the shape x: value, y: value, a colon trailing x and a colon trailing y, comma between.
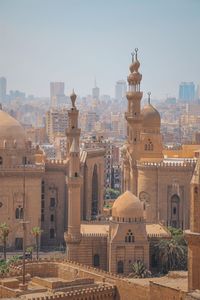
x: 18, y: 243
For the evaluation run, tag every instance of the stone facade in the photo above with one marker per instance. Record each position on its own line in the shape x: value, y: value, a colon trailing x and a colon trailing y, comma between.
x: 162, y: 184
x: 193, y: 235
x: 29, y: 180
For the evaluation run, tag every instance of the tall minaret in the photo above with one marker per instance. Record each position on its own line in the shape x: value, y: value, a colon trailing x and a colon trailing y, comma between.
x: 74, y: 182
x: 193, y: 235
x: 134, y: 124
x: 72, y: 131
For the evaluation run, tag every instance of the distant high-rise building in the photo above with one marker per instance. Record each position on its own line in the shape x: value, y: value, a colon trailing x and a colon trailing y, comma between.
x: 56, y: 123
x: 120, y: 90
x: 3, y: 84
x: 186, y: 91
x: 197, y: 96
x: 95, y: 92
x: 57, y: 90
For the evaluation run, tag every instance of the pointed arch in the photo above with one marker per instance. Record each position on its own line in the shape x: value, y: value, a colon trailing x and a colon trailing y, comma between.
x: 95, y: 192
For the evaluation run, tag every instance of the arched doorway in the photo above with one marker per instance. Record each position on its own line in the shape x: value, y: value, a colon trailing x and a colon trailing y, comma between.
x: 94, y: 208
x: 120, y: 267
x: 175, y: 211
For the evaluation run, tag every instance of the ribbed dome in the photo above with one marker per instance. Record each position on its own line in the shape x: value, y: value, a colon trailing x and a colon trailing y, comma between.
x: 10, y: 128
x: 151, y: 117
x: 127, y: 206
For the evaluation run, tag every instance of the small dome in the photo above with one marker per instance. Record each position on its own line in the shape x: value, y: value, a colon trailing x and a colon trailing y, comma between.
x: 127, y: 206
x: 10, y: 128
x: 151, y: 117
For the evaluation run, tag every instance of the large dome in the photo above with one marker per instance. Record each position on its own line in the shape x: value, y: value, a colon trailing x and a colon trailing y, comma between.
x: 127, y: 207
x: 151, y: 117
x: 10, y: 129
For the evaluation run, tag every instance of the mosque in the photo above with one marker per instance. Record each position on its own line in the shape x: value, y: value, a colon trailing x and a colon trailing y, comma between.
x: 61, y: 196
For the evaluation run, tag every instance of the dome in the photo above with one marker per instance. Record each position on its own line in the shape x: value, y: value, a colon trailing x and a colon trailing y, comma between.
x: 10, y: 128
x: 127, y: 206
x: 151, y: 117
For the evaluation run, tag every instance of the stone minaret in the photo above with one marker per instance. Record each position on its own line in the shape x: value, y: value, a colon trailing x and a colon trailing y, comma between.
x: 74, y: 182
x: 193, y: 235
x: 134, y: 125
x: 72, y: 131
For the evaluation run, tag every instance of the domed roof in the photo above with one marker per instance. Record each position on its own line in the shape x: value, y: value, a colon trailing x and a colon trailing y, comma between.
x: 10, y: 128
x: 151, y: 117
x: 127, y: 206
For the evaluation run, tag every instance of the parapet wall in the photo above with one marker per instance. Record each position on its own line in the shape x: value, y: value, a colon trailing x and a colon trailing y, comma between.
x: 190, y: 163
x: 126, y: 289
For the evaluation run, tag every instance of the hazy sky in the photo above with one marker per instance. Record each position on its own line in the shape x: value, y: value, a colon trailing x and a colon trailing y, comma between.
x: 75, y: 40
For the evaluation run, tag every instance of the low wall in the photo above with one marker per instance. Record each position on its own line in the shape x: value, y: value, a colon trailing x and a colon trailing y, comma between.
x: 126, y: 289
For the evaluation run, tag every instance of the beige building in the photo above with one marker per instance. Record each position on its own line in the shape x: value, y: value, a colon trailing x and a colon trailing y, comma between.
x: 161, y: 183
x: 56, y: 123
x: 66, y: 195
x: 25, y: 174
x: 112, y: 245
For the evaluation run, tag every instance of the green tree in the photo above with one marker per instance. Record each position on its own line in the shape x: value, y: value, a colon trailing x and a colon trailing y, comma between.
x: 4, y: 232
x: 172, y: 254
x: 36, y: 232
x: 111, y: 193
x: 139, y: 270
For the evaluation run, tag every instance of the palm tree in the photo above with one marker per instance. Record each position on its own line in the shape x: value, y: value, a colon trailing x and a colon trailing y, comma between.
x: 171, y: 254
x: 139, y: 270
x: 4, y: 232
x: 36, y: 232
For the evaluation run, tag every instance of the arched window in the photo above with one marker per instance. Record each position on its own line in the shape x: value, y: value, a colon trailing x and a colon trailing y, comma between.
x: 52, y: 233
x: 148, y: 146
x: 19, y: 213
x: 43, y: 187
x: 96, y: 260
x: 196, y: 190
x: 129, y: 238
x: 1, y: 160
x: 52, y: 218
x: 175, y: 208
x: 120, y: 267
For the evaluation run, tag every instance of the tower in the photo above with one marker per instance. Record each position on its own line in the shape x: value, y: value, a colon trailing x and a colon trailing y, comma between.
x: 72, y: 131
x: 193, y: 235
x: 131, y: 151
x: 151, y: 138
x: 74, y: 182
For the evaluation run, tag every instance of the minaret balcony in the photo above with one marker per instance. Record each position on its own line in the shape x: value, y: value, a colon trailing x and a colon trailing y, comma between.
x: 133, y: 118
x: 73, y: 131
x: 74, y: 181
x: 134, y: 95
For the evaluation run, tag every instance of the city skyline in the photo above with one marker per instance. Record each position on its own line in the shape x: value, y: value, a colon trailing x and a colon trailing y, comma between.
x: 76, y: 41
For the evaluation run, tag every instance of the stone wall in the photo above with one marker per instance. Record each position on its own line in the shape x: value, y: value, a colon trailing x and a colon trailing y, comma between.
x: 126, y: 289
